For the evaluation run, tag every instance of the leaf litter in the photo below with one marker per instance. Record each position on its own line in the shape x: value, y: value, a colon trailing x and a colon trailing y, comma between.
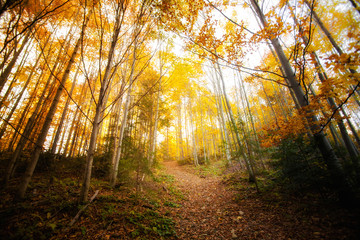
x: 176, y: 203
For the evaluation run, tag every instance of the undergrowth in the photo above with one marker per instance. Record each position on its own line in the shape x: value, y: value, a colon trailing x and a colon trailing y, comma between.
x: 117, y: 213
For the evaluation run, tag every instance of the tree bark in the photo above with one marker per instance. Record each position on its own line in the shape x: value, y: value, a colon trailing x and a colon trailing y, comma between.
x: 63, y: 115
x: 153, y: 144
x: 45, y: 128
x: 103, y: 96
x: 324, y: 29
x: 352, y: 150
x: 5, y: 74
x: 193, y: 134
x: 114, y: 172
x: 223, y: 130
x: 3, y: 127
x: 181, y: 149
x: 339, y: 180
x: 354, y: 4
x: 247, y: 160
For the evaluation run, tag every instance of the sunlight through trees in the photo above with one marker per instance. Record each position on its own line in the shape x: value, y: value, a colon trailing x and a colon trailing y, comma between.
x: 103, y: 85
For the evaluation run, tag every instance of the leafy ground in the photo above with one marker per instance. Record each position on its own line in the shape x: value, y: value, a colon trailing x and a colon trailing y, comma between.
x: 178, y: 202
x: 126, y: 212
x: 221, y: 208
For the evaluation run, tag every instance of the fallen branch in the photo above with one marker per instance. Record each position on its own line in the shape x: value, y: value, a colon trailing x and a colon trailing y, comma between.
x: 83, y: 209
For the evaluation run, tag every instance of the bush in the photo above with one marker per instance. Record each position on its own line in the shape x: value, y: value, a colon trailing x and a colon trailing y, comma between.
x: 300, y: 165
x: 46, y: 162
x: 185, y: 161
x: 101, y: 164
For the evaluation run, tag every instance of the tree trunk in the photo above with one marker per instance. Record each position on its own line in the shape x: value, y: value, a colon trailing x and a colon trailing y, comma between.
x: 103, y: 97
x: 114, y: 171
x: 335, y: 135
x: 353, y: 130
x: 3, y: 128
x: 352, y: 150
x: 5, y: 74
x: 248, y: 162
x: 224, y: 132
x: 258, y: 150
x: 203, y: 137
x: 333, y: 164
x: 41, y: 139
x: 193, y: 134
x: 7, y: 93
x: 116, y: 138
x: 354, y: 4
x: 153, y: 144
x: 63, y: 115
x: 270, y: 105
x: 323, y: 28
x: 181, y: 153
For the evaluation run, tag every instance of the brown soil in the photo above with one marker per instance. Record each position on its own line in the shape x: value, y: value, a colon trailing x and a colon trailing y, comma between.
x: 212, y: 210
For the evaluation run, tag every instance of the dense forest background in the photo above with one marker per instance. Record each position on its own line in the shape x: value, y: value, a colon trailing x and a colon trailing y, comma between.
x: 96, y: 95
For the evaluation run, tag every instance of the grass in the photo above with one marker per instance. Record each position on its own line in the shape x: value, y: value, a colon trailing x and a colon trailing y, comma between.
x: 116, y: 213
x: 164, y: 178
x: 214, y: 169
x: 151, y: 224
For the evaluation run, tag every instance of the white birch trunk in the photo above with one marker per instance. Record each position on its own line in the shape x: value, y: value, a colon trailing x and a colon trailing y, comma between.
x: 41, y: 139
x: 102, y: 100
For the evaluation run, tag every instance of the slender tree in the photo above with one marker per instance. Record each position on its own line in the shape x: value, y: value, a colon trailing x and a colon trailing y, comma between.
x: 45, y: 128
x: 322, y: 142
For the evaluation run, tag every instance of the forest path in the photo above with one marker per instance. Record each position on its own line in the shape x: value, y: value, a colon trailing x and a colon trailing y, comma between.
x: 210, y: 212
x: 213, y: 210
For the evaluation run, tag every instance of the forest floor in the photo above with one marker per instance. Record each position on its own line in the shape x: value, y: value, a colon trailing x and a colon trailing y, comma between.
x: 177, y: 202
x: 216, y: 210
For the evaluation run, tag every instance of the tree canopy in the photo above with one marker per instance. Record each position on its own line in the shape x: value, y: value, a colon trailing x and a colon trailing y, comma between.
x: 115, y: 87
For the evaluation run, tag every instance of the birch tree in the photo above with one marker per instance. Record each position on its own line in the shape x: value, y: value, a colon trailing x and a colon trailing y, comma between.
x: 322, y: 142
x: 45, y: 128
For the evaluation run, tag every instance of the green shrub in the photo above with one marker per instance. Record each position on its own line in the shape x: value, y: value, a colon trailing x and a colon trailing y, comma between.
x: 46, y: 162
x: 300, y: 165
x: 101, y: 164
x: 151, y: 223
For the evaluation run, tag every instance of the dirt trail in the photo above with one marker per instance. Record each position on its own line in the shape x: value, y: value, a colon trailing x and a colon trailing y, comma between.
x: 210, y: 212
